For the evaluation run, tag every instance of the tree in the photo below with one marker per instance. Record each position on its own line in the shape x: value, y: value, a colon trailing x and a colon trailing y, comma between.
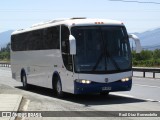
x: 5, y: 52
x: 146, y: 55
x: 156, y: 54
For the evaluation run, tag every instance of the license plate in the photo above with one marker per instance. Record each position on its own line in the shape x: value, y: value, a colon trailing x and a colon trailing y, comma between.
x: 106, y: 88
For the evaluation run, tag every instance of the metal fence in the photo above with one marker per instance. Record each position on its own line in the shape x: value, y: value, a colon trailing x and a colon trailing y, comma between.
x: 146, y: 69
x: 5, y: 64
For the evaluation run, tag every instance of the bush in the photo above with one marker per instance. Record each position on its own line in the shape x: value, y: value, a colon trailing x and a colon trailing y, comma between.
x: 156, y: 54
x: 5, y: 53
x: 146, y: 58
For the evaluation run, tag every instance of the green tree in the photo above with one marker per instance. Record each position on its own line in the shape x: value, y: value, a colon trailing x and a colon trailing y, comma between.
x: 5, y: 53
x: 146, y: 55
x: 156, y: 54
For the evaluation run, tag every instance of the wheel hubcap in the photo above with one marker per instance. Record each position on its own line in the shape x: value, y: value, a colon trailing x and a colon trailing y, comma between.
x: 59, y: 87
x: 24, y: 81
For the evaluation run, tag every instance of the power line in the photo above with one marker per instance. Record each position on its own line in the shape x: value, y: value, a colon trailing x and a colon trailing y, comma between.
x: 136, y: 1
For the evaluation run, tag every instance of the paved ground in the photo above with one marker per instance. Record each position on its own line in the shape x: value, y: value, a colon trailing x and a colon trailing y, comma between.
x: 9, y: 102
x: 145, y: 88
x: 144, y: 96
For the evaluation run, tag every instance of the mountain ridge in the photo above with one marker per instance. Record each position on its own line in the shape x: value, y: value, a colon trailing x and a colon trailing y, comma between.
x: 150, y: 38
x: 5, y: 37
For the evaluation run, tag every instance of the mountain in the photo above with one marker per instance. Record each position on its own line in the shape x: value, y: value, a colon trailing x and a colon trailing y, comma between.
x: 150, y: 39
x: 5, y: 38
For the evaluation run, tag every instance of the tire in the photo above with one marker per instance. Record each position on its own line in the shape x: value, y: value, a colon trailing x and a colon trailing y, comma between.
x: 24, y: 81
x: 58, y: 89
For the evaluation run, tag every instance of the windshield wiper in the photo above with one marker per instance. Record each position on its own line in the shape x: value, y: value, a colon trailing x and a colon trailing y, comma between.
x: 108, y: 56
x: 98, y: 61
x: 113, y: 61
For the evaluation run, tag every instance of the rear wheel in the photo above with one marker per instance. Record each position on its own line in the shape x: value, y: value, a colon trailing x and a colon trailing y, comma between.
x: 24, y: 81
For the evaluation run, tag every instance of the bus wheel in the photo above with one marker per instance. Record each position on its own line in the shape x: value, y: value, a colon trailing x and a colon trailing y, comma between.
x: 59, y: 91
x: 24, y: 81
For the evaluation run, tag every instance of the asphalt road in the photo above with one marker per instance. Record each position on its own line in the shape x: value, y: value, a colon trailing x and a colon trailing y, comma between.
x: 144, y: 96
x: 145, y: 88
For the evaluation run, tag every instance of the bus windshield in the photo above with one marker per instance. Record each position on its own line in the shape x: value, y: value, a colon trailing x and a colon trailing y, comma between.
x: 101, y: 49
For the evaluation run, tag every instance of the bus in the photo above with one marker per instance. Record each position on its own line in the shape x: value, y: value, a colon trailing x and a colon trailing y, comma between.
x: 75, y: 55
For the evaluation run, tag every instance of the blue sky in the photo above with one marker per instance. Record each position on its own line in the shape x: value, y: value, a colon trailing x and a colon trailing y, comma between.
x: 17, y: 14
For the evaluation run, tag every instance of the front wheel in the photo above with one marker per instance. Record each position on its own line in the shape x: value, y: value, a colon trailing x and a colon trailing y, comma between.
x: 59, y: 91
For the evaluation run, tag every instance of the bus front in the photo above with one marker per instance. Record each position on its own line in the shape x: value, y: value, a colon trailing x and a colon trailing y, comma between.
x: 103, y: 59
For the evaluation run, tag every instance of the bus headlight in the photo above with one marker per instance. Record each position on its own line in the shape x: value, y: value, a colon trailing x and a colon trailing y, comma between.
x: 83, y: 81
x: 125, y: 79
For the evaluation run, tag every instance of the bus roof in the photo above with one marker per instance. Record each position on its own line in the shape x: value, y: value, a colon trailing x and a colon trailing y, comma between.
x: 69, y: 22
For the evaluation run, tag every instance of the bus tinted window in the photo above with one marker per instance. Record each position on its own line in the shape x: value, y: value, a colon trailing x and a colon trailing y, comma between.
x: 51, y: 38
x: 67, y: 58
x: 35, y: 40
x: 43, y: 39
x: 18, y: 42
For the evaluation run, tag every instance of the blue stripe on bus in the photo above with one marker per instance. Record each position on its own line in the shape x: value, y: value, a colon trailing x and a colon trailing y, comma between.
x: 94, y: 87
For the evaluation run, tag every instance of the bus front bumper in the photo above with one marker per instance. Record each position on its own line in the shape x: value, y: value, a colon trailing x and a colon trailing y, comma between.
x: 94, y: 87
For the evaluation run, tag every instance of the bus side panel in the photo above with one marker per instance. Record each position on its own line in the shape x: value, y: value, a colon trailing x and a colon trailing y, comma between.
x: 67, y: 79
x: 15, y: 67
x: 40, y: 66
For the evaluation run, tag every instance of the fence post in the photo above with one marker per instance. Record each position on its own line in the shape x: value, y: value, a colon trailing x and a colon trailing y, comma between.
x: 153, y: 74
x: 144, y: 74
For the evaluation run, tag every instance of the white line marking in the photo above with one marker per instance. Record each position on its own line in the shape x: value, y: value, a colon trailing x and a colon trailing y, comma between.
x: 151, y: 100
x: 130, y: 96
x: 147, y: 86
x: 123, y: 95
x: 26, y: 105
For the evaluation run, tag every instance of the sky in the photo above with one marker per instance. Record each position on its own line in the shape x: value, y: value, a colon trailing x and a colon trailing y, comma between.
x: 20, y: 14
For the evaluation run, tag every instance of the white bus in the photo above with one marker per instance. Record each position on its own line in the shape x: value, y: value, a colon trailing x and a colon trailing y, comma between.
x: 76, y: 55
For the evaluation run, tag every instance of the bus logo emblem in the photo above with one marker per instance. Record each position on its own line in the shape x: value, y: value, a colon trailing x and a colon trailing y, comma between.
x: 106, y: 80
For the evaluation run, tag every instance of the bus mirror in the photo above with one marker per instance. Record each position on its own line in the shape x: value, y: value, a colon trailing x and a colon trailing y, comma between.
x: 137, y: 42
x: 72, y: 44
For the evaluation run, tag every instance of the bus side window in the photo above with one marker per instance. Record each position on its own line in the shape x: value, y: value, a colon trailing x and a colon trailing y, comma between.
x: 51, y: 38
x: 67, y: 58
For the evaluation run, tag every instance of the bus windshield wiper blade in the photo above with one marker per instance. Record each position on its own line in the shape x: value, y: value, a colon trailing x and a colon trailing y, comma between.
x: 113, y: 61
x: 98, y: 61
